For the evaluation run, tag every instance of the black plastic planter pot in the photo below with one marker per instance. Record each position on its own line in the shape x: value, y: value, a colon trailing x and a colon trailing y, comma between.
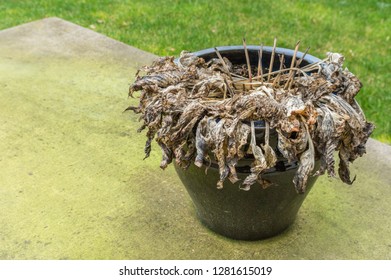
x: 260, y: 212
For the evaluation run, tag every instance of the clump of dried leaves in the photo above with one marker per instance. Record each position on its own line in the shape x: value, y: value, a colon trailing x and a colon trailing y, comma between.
x: 196, y: 109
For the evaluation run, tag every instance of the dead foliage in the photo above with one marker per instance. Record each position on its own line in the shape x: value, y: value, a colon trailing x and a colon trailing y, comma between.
x: 196, y: 110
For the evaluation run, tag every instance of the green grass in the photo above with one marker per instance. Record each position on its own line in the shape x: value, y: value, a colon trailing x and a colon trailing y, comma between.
x: 360, y: 30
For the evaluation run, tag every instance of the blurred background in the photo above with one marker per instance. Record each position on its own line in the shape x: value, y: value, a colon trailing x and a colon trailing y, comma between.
x: 360, y: 30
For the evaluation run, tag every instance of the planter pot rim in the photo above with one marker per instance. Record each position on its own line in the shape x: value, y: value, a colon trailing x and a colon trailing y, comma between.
x: 266, y: 49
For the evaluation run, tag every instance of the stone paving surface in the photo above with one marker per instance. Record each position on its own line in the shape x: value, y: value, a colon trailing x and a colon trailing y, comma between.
x: 73, y: 184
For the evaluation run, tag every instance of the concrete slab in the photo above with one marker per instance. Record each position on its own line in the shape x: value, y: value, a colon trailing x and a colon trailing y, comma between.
x: 73, y: 184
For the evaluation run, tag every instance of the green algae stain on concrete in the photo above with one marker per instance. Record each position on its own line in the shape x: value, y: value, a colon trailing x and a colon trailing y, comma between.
x: 70, y: 158
x: 63, y: 159
x: 73, y: 184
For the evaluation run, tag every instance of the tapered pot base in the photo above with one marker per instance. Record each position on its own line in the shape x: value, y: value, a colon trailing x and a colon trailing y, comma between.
x: 246, y: 215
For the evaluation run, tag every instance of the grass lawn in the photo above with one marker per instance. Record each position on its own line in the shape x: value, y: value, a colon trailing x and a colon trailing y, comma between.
x: 360, y: 30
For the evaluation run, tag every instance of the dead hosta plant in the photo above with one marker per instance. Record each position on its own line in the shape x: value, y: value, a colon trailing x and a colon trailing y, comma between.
x: 196, y: 110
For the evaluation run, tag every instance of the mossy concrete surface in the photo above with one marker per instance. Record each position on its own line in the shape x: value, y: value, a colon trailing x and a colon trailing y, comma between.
x: 73, y: 184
